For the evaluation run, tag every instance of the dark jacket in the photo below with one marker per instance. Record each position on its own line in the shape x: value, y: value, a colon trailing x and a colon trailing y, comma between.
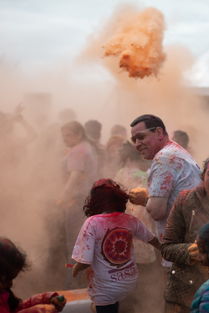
x: 189, y: 213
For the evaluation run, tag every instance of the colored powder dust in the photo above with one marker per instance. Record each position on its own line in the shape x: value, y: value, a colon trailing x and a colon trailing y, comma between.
x: 137, y: 43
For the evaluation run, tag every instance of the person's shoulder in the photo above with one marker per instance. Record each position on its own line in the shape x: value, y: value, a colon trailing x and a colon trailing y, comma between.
x: 88, y: 149
x: 183, y: 194
x: 95, y: 218
x: 170, y: 149
x: 173, y: 154
x: 75, y: 150
x: 131, y: 218
x: 82, y: 146
x: 91, y: 224
x: 201, y: 299
x: 90, y: 220
x: 163, y: 154
x: 186, y: 198
x: 204, y: 289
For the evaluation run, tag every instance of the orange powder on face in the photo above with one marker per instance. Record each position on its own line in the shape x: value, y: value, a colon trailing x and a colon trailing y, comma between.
x: 137, y: 43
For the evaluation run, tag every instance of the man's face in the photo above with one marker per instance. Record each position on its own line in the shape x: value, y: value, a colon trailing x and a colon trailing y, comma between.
x: 69, y: 137
x: 146, y: 141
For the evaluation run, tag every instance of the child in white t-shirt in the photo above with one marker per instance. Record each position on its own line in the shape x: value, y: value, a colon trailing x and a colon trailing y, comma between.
x: 105, y: 243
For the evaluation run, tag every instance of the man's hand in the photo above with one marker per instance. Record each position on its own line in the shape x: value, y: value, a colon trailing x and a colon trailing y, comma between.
x: 138, y: 196
x: 194, y: 253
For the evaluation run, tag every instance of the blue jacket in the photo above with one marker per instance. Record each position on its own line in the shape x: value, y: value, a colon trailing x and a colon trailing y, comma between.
x: 200, y: 303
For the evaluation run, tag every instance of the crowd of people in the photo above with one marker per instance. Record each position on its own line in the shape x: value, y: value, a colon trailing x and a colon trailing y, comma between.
x: 147, y: 207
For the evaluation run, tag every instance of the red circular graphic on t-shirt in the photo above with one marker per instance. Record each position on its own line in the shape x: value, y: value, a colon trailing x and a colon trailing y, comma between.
x: 116, y: 246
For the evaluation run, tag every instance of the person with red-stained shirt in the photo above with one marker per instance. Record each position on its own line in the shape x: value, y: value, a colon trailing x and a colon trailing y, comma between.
x: 105, y: 242
x: 12, y: 262
x: 172, y: 169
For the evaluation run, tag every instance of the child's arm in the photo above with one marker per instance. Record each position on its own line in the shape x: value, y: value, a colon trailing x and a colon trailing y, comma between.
x: 78, y: 267
x: 155, y: 243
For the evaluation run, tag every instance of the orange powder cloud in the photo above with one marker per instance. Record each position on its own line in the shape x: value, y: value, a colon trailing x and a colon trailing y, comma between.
x: 137, y: 42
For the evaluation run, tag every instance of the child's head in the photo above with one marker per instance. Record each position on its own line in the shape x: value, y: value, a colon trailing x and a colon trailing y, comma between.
x: 12, y: 261
x: 203, y: 244
x: 105, y: 196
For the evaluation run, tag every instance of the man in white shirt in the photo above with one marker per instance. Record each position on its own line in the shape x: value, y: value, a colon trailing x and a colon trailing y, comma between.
x: 172, y: 170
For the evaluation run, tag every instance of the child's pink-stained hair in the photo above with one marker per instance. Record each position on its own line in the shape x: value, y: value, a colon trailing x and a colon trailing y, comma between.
x: 106, y: 196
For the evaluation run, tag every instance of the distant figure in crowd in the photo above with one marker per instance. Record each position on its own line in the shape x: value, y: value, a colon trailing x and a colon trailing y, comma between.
x: 66, y: 115
x: 80, y: 170
x: 105, y: 244
x: 182, y: 138
x: 172, y: 170
x: 112, y: 155
x: 16, y: 135
x: 119, y: 130
x: 93, y: 129
x: 12, y: 146
x: 189, y: 213
x: 12, y: 262
x: 200, y: 302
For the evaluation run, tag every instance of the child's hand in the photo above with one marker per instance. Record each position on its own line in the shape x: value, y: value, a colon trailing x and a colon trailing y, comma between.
x: 78, y: 267
x: 75, y: 270
x: 59, y: 302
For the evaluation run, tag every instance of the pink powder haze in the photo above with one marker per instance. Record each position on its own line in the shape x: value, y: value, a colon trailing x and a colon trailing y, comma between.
x: 94, y: 86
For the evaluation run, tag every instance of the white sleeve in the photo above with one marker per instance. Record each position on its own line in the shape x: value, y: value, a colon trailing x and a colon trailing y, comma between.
x: 83, y: 251
x: 142, y: 232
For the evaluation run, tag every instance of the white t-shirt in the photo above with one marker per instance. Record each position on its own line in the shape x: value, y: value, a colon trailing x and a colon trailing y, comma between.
x: 173, y: 170
x: 106, y: 242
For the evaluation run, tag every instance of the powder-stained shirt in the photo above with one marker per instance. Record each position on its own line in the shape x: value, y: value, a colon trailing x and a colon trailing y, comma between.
x: 173, y: 170
x: 106, y: 242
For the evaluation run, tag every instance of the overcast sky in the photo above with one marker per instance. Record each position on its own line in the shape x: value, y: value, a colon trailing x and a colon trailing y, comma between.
x: 38, y: 32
